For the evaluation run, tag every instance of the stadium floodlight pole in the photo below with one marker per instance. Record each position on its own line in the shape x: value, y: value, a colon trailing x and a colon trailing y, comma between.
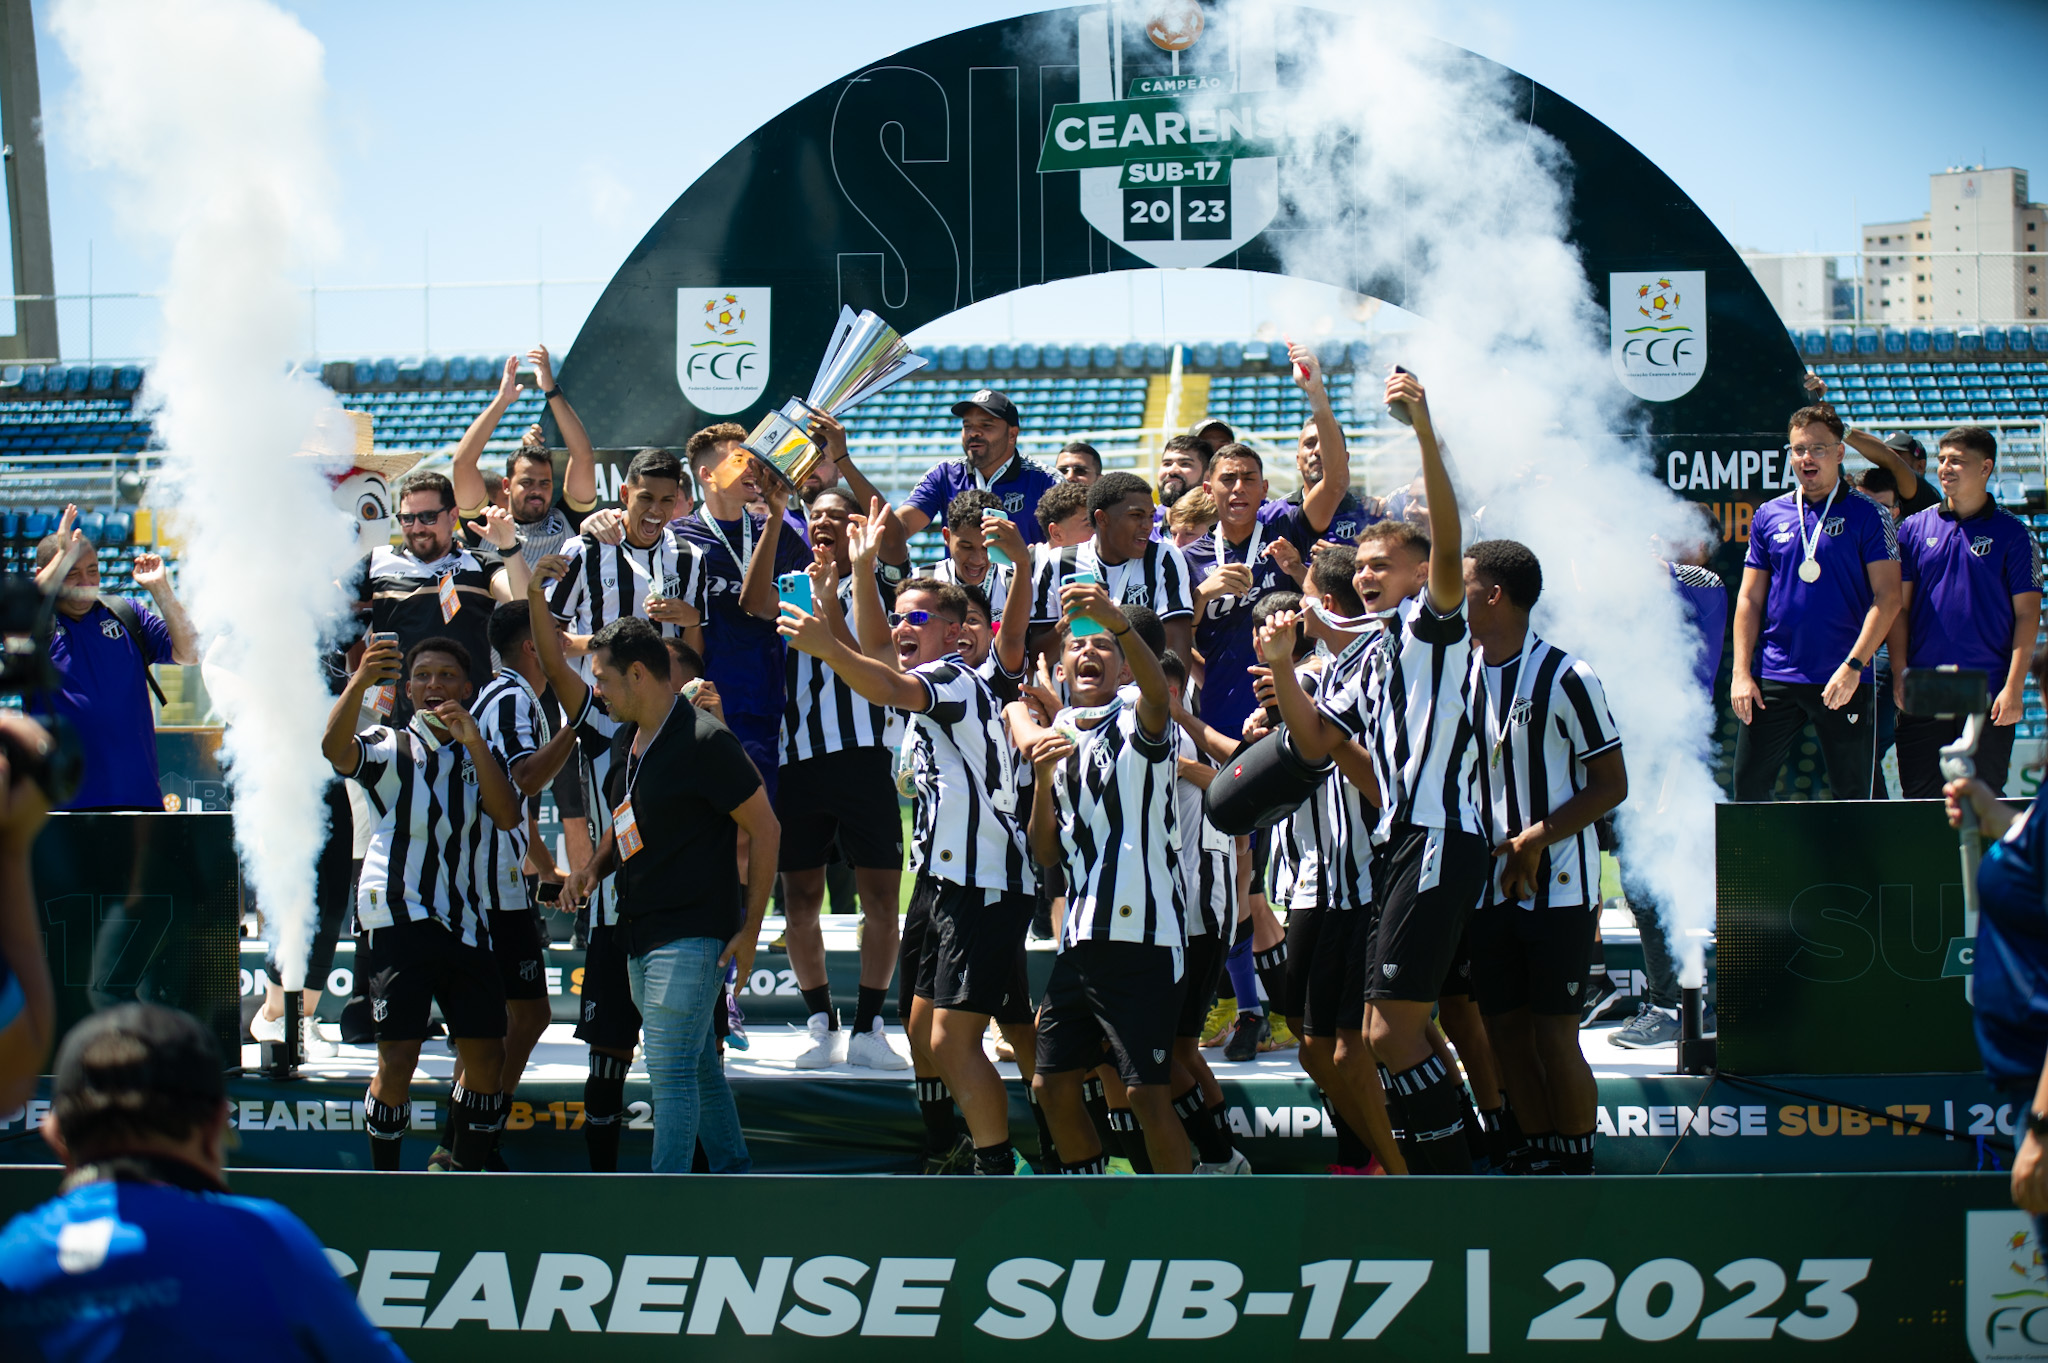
x: 1957, y: 693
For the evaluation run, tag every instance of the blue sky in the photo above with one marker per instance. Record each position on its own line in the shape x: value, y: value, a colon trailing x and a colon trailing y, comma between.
x: 494, y: 142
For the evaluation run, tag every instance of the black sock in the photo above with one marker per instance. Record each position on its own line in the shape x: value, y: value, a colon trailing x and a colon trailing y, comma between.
x: 1574, y: 1153
x: 387, y: 1126
x: 1097, y: 1102
x: 868, y: 1009
x: 1086, y: 1166
x: 1475, y: 1131
x: 1000, y: 1158
x: 1430, y: 1099
x: 1219, y: 1123
x: 1514, y: 1144
x: 1539, y: 1154
x: 482, y: 1119
x: 451, y: 1124
x: 935, y: 1105
x: 1397, y: 1117
x: 1211, y: 1146
x: 1130, y: 1138
x: 1271, y: 965
x: 1047, y: 1154
x: 1492, y: 1120
x: 604, y: 1103
x: 819, y: 1000
x: 1352, y: 1151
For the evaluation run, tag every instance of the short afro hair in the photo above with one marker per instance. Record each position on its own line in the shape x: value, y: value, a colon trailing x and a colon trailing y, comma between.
x: 1511, y: 566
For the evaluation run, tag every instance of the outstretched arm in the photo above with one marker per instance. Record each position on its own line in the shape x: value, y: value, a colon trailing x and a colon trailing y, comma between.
x: 472, y: 493
x: 379, y: 665
x: 870, y: 679
x: 1322, y: 501
x: 1446, y: 547
x: 1091, y: 601
x: 579, y: 479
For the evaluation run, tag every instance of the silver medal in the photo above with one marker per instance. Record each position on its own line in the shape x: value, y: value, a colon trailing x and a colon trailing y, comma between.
x: 1809, y: 571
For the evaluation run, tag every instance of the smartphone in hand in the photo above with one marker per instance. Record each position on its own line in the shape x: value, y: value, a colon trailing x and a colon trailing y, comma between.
x: 794, y: 589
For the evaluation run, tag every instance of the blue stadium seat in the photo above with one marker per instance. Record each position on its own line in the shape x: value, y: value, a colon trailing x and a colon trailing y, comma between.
x: 1994, y: 339
x: 1867, y: 340
x: 950, y: 358
x: 1894, y: 341
x: 1102, y: 357
x: 2041, y: 340
x: 458, y: 370
x: 1205, y: 354
x: 1003, y: 356
x: 1815, y: 343
x: 1920, y: 340
x: 1131, y: 355
x: 1841, y: 341
x: 1028, y: 356
x: 409, y: 372
x: 975, y: 357
x: 1944, y: 340
x: 433, y: 370
x: 1153, y: 356
x: 1230, y: 355
x: 386, y: 371
x: 1970, y: 342
x: 77, y: 379
x: 32, y: 379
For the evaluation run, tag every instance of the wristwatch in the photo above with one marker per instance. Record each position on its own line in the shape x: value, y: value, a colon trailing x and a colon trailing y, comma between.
x: 2037, y: 1125
x: 552, y: 393
x: 1855, y: 662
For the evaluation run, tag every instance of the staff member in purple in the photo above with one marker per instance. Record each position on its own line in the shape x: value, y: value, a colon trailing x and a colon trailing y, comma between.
x: 989, y: 460
x: 1819, y: 589
x: 1971, y: 598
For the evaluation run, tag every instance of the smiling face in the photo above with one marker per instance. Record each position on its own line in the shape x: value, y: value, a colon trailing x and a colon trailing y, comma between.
x: 1239, y: 489
x: 1815, y: 458
x: 1092, y: 666
x: 427, y: 540
x: 530, y: 491
x: 1179, y: 470
x: 977, y: 637
x: 436, y: 679
x: 986, y: 439
x: 1122, y: 531
x: 1389, y: 571
x: 925, y: 643
x: 1964, y: 472
x: 969, y: 555
x: 1308, y: 455
x: 649, y: 504
x: 826, y: 521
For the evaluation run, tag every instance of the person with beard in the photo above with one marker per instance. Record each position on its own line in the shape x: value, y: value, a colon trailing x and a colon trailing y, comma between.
x: 989, y: 459
x: 433, y: 587
x: 527, y: 490
x: 1820, y: 586
x: 1137, y: 569
x: 1183, y: 463
x: 1351, y: 515
x: 837, y: 795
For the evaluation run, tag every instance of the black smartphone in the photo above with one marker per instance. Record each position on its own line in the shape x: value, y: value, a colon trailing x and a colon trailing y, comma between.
x: 1947, y: 692
x: 550, y: 891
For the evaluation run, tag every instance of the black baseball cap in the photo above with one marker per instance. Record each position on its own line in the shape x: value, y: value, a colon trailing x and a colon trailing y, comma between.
x: 139, y: 1048
x: 1906, y: 445
x: 996, y: 404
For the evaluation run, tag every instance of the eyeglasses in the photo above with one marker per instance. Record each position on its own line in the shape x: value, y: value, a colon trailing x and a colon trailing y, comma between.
x: 909, y: 617
x: 1815, y: 450
x: 421, y: 517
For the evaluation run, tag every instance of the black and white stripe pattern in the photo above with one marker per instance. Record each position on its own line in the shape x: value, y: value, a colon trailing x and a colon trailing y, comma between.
x: 1305, y: 840
x: 510, y: 717
x: 820, y: 713
x: 430, y: 833
x: 595, y: 730
x: 1556, y: 718
x: 965, y: 828
x: 1348, y: 819
x: 1411, y: 705
x: 1118, y: 820
x: 1158, y: 579
x: 1208, y: 859
x: 995, y: 584
x: 608, y: 582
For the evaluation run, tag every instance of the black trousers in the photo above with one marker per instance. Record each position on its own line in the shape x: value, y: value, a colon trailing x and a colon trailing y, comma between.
x: 1848, y: 739
x: 1920, y: 743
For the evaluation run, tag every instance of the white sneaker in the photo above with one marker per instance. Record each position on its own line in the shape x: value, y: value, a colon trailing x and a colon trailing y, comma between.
x: 872, y: 1049
x: 266, y: 1029
x: 312, y: 1045
x: 1236, y: 1164
x: 821, y: 1054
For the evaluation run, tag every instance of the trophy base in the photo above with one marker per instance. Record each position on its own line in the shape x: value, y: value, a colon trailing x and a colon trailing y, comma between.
x: 783, y: 446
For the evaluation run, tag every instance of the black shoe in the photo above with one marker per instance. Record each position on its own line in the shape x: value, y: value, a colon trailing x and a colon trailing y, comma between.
x: 1244, y: 1041
x: 958, y: 1160
x: 1602, y: 999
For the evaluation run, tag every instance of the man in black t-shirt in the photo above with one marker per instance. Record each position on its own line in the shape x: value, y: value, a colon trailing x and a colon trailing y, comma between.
x: 681, y: 789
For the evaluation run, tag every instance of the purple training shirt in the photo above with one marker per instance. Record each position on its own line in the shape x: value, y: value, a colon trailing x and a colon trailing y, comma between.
x: 1019, y: 486
x: 1965, y: 574
x: 1810, y: 627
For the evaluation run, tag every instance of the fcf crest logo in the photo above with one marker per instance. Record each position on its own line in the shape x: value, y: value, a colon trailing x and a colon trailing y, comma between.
x: 2005, y: 1290
x: 722, y: 347
x: 1657, y: 325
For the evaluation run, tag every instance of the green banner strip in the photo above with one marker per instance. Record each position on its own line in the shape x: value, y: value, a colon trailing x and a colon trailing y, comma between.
x: 1111, y: 132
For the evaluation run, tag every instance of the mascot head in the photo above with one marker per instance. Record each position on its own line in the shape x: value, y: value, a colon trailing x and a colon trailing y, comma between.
x: 361, y: 475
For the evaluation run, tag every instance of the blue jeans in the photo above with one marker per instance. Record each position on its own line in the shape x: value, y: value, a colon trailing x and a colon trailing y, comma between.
x: 675, y: 987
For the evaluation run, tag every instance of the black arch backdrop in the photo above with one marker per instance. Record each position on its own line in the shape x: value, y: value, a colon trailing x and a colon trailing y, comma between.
x: 950, y: 173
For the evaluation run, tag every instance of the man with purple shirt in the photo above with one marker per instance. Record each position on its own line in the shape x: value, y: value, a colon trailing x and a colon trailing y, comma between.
x: 1971, y: 598
x: 988, y: 460
x: 1819, y: 589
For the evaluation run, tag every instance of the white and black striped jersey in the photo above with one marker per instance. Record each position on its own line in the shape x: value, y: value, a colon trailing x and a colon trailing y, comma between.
x: 1541, y: 715
x: 402, y: 595
x: 608, y: 582
x: 995, y: 584
x: 537, y: 539
x: 1411, y: 705
x: 965, y: 772
x: 595, y: 729
x: 1208, y: 859
x: 431, y: 832
x: 1119, y: 819
x: 1348, y: 818
x: 1158, y: 578
x: 513, y: 722
x: 1305, y: 839
x: 821, y: 714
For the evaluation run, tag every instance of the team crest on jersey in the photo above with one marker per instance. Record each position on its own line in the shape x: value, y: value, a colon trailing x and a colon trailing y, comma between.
x: 529, y: 970
x: 1981, y: 545
x: 589, y: 1010
x: 468, y: 774
x: 1013, y: 501
x: 380, y: 1009
x: 1519, y: 713
x: 112, y: 628
x: 1836, y: 525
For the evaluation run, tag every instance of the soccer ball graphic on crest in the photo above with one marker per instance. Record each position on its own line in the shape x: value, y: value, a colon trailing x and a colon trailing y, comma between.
x: 1660, y: 307
x: 1175, y: 25
x: 723, y: 315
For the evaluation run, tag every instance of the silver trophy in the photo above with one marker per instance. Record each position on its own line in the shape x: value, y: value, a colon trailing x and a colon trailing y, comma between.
x: 865, y: 356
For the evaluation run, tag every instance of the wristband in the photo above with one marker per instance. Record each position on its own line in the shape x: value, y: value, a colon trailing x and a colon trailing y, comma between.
x: 2037, y: 1125
x: 1120, y: 633
x: 1856, y: 662
x: 552, y: 393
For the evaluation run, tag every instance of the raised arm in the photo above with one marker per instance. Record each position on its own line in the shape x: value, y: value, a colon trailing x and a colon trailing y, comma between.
x: 870, y: 616
x: 757, y: 586
x: 563, y: 679
x: 1308, y: 729
x: 895, y: 538
x: 501, y: 532
x: 472, y: 494
x: 870, y: 679
x: 380, y: 664
x: 1005, y: 535
x: 579, y: 479
x: 533, y: 773
x: 1884, y: 456
x: 153, y: 577
x: 1446, y: 532
x: 1090, y: 600
x: 1321, y: 503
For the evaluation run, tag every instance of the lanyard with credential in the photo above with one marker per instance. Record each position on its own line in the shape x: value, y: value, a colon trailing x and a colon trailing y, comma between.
x: 988, y: 484
x: 1523, y: 689
x: 745, y: 554
x: 625, y: 825
x: 1809, y: 567
x: 1251, y: 546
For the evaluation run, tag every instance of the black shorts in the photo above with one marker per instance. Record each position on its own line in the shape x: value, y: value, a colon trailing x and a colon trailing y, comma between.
x: 609, y: 1020
x: 1123, y: 993
x: 1458, y: 979
x: 1416, y: 935
x: 845, y: 799
x: 971, y: 949
x: 1531, y: 958
x: 1321, y: 945
x: 422, y: 963
x: 521, y: 952
x: 1262, y: 857
x: 1204, y: 971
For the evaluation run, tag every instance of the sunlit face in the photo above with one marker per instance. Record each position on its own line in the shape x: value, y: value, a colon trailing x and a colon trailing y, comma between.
x: 1092, y: 666
x: 928, y: 642
x: 649, y: 504
x: 1962, y: 471
x: 436, y: 679
x: 1387, y: 573
x: 431, y: 538
x: 1483, y: 600
x: 1239, y: 488
x: 986, y: 438
x: 530, y: 491
x: 1179, y: 470
x: 1184, y: 535
x: 1075, y: 467
x: 977, y: 637
x: 1070, y: 530
x: 1885, y: 498
x: 826, y: 520
x: 969, y: 554
x: 1815, y: 458
x: 1308, y: 455
x: 1122, y: 531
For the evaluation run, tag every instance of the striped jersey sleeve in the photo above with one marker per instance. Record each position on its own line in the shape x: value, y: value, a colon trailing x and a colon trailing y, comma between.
x: 1119, y: 832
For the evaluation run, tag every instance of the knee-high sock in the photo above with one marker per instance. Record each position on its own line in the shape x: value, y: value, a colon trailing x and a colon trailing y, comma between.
x: 1211, y: 1145
x: 1244, y: 976
x: 483, y: 1119
x: 1272, y: 967
x: 1130, y: 1138
x: 935, y: 1105
x: 604, y: 1104
x: 1429, y: 1097
x: 387, y: 1126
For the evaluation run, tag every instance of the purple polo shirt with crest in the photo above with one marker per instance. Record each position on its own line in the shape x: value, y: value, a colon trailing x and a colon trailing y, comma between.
x: 1965, y: 574
x: 1223, y: 631
x: 1810, y: 627
x: 1018, y: 486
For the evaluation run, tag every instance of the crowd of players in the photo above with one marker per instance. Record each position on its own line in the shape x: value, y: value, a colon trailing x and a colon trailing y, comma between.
x: 1054, y: 696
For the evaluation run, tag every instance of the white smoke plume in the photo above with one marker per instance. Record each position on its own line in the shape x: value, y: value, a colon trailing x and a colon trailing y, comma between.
x: 208, y: 113
x: 1426, y: 171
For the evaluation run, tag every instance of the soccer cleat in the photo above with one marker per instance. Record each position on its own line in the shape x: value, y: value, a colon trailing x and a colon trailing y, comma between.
x: 1216, y: 1027
x: 958, y: 1160
x: 1601, y: 993
x: 1023, y: 1165
x: 312, y: 1045
x: 266, y: 1029
x: 1277, y: 1037
x: 823, y: 1050
x: 1236, y: 1164
x: 1117, y: 1164
x: 1244, y: 1037
x: 1651, y: 1026
x: 872, y: 1050
x: 442, y: 1161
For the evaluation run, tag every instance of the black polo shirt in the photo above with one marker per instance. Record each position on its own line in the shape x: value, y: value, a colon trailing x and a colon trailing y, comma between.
x: 684, y: 881
x: 402, y: 595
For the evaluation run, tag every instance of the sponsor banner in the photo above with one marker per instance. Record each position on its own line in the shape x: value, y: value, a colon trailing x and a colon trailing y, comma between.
x: 520, y: 1266
x: 1838, y: 923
